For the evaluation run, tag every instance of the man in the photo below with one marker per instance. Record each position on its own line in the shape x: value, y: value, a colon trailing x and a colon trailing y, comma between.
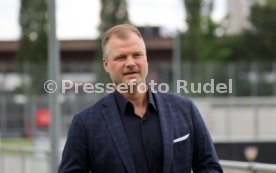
x: 134, y: 131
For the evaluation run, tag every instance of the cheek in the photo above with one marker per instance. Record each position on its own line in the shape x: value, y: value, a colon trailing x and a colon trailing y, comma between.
x: 144, y: 65
x: 116, y: 69
x: 146, y: 69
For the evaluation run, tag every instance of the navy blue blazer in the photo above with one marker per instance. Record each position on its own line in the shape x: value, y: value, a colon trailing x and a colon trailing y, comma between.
x: 97, y: 141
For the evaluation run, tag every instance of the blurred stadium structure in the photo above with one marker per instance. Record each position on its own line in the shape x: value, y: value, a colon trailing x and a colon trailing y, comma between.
x: 238, y: 13
x: 227, y: 115
x: 246, y: 115
x: 236, y: 120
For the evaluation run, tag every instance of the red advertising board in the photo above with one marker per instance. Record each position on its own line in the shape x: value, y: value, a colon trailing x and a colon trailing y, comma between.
x: 42, y: 118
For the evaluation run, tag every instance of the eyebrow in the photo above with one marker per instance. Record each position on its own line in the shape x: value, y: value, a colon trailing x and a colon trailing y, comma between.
x: 119, y: 55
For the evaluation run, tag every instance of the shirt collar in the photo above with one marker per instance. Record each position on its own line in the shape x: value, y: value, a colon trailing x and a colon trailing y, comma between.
x: 122, y: 102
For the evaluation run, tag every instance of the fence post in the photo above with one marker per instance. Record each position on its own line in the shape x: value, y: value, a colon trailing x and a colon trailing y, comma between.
x: 2, y: 165
x: 254, y: 93
x: 231, y: 68
x: 3, y: 113
x: 274, y: 72
x: 21, y: 151
x: 252, y: 168
x: 176, y: 61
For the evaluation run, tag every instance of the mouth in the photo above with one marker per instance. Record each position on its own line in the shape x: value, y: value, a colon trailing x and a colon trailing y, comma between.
x: 130, y: 73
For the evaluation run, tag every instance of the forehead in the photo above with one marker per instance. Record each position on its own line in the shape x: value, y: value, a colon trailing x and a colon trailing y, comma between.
x: 121, y: 31
x: 128, y: 40
x: 127, y: 35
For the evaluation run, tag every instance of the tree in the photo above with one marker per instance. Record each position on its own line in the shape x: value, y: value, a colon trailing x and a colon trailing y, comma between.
x: 200, y: 42
x: 261, y: 38
x: 33, y: 22
x: 113, y: 12
x: 253, y: 49
x: 192, y: 37
x: 32, y: 48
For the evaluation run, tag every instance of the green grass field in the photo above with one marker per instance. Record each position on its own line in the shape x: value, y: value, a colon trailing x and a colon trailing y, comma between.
x: 16, y: 142
x: 15, y: 146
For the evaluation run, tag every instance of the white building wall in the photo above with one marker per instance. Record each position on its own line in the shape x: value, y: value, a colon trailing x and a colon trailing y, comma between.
x: 238, y: 12
x: 239, y: 119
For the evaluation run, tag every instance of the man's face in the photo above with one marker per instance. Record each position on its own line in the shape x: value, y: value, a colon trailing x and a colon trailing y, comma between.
x: 126, y: 59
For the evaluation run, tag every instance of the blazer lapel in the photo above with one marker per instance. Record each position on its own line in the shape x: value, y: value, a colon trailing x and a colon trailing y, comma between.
x: 116, y: 129
x: 167, y: 129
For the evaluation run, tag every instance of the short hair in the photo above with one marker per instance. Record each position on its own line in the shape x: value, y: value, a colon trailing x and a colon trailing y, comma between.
x: 120, y: 31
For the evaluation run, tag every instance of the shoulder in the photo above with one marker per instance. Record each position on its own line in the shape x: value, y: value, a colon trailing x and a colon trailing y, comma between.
x: 174, y: 99
x: 178, y: 103
x: 94, y: 110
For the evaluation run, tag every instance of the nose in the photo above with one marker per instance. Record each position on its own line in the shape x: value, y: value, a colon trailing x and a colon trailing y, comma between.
x: 130, y: 62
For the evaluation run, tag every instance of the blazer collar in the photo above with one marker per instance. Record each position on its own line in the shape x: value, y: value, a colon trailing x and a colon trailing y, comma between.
x: 167, y: 129
x: 115, y: 126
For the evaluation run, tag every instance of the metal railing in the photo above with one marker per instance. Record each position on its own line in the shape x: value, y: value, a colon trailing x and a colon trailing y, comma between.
x: 248, y: 166
x: 23, y: 160
x: 29, y: 161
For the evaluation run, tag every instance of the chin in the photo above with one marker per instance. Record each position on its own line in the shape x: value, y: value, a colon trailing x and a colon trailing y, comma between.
x: 133, y: 80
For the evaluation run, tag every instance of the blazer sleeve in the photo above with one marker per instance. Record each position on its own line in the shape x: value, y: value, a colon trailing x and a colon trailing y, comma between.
x: 205, y: 158
x: 75, y: 157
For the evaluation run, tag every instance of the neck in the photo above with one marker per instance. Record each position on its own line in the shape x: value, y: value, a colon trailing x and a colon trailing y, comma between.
x: 138, y: 99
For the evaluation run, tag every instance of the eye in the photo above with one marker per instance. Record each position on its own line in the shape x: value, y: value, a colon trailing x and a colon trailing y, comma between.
x: 137, y: 55
x: 119, y: 58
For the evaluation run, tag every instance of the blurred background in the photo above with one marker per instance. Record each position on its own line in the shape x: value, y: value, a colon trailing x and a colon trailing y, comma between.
x: 192, y: 40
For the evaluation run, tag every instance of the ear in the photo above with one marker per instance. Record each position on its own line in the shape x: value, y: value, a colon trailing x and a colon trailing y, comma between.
x: 105, y: 64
